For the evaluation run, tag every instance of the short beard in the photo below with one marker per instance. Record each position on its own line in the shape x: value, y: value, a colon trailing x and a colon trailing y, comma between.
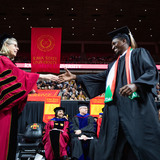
x: 117, y: 54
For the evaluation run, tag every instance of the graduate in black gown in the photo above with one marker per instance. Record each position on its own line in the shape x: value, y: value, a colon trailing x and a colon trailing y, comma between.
x: 130, y: 126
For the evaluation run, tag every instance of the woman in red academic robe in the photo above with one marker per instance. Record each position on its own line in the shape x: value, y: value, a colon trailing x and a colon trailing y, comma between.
x: 15, y: 84
x: 56, y: 136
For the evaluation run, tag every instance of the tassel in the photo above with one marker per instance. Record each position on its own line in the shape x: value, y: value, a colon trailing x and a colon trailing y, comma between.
x: 133, y: 42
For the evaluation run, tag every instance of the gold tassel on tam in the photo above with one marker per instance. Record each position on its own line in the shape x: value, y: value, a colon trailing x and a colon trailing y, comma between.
x: 133, y: 42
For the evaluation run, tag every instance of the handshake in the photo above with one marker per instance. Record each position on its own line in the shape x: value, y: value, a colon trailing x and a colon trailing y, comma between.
x: 67, y: 76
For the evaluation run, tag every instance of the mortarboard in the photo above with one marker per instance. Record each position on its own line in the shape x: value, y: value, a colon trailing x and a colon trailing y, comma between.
x: 122, y: 30
x: 125, y: 33
x: 3, y: 37
x: 83, y: 103
x: 58, y: 109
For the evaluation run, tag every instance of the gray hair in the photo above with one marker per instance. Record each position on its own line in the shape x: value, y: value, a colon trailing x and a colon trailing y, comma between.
x: 4, y: 50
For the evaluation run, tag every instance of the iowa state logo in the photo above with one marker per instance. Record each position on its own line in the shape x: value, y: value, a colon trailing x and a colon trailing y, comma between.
x: 34, y: 126
x: 45, y: 43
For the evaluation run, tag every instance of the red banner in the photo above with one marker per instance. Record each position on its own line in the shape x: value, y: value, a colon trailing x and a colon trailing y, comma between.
x: 45, y: 49
x: 42, y: 94
x: 50, y: 104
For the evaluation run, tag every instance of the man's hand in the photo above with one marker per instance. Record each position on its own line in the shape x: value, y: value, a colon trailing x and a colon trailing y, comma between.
x: 127, y: 90
x: 77, y: 132
x: 83, y: 137
x: 158, y: 88
x: 48, y: 77
x: 67, y: 76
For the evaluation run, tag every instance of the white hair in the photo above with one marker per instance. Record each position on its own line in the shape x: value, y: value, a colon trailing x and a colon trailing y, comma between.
x: 4, y: 50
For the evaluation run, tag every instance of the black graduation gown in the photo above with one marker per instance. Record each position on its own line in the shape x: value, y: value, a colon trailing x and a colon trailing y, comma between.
x: 135, y: 121
x: 82, y: 150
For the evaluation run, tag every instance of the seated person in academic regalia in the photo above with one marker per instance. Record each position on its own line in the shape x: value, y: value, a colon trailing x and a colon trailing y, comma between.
x: 56, y: 136
x: 99, y: 121
x: 83, y: 134
x: 95, y: 123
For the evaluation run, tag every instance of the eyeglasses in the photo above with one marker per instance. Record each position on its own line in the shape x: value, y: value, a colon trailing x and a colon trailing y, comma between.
x: 85, y: 108
x: 15, y: 44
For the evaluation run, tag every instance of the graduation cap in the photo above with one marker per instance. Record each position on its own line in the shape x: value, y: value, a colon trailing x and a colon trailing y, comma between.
x: 119, y: 32
x: 58, y: 109
x: 3, y: 37
x: 125, y: 33
x: 83, y: 103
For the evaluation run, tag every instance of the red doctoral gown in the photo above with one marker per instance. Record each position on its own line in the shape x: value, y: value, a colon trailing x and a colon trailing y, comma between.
x: 15, y: 84
x: 55, y: 141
